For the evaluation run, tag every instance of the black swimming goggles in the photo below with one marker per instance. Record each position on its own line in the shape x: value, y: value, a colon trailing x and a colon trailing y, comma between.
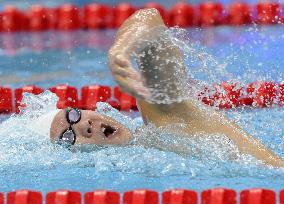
x: 68, y: 137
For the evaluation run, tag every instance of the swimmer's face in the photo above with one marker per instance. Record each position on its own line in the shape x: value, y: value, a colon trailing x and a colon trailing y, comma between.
x: 93, y: 128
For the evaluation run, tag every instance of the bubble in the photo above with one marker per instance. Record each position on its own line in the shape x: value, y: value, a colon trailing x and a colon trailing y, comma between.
x: 159, y: 157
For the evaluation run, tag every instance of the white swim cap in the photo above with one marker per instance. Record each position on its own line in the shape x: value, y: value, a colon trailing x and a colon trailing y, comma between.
x: 42, y: 125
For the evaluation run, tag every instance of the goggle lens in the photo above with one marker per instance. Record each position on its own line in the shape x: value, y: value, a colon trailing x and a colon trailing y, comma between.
x: 74, y: 116
x: 68, y: 137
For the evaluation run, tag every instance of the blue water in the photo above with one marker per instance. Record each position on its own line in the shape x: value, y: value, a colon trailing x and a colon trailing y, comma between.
x: 30, y: 161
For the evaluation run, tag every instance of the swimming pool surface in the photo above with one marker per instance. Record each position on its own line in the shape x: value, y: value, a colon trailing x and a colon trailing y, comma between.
x: 244, y: 54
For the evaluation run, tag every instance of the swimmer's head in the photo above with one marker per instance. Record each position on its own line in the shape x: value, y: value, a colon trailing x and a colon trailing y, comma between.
x: 92, y: 128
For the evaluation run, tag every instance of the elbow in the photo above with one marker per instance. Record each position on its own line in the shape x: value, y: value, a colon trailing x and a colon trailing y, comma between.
x: 147, y: 13
x: 148, y: 16
x: 151, y: 15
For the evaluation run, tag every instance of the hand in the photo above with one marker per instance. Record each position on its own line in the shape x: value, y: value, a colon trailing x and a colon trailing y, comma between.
x: 129, y: 79
x: 138, y: 26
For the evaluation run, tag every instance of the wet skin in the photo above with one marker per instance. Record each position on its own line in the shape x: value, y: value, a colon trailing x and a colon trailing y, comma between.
x: 199, y: 119
x: 93, y: 128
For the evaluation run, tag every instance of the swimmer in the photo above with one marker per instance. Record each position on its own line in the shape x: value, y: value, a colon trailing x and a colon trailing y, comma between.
x: 89, y: 127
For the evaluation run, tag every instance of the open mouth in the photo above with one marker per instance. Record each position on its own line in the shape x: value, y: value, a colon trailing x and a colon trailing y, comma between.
x: 107, y: 130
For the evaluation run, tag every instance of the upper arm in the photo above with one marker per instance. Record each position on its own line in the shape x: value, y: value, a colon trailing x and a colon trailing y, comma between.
x: 141, y: 18
x: 136, y: 26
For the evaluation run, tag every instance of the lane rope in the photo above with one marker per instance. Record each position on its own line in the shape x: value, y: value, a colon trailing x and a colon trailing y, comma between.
x: 67, y: 17
x: 145, y: 196
x: 226, y: 95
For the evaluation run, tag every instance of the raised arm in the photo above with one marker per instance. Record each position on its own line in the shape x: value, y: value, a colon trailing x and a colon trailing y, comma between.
x: 136, y: 27
x: 161, y: 84
x: 162, y: 79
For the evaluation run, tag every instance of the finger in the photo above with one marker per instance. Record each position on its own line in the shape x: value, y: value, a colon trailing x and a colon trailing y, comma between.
x: 122, y: 61
x: 134, y: 88
x: 142, y: 89
x: 135, y: 75
x: 122, y: 65
x: 135, y: 80
x: 127, y: 86
x: 128, y: 72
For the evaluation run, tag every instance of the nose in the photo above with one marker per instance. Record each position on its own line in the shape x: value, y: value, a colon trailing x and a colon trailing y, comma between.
x: 90, y: 122
x: 85, y: 128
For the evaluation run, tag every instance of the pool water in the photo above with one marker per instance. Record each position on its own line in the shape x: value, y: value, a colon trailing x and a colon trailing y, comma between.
x: 27, y: 160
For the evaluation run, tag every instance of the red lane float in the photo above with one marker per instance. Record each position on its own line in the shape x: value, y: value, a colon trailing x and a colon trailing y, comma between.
x: 52, y: 16
x: 63, y: 197
x: 239, y: 14
x: 1, y: 22
x: 24, y: 197
x: 257, y: 94
x: 281, y: 94
x: 141, y: 197
x: 268, y: 13
x: 281, y: 195
x: 19, y: 95
x: 38, y: 18
x: 6, y: 104
x: 219, y: 196
x: 24, y: 21
x: 146, y: 196
x: 262, y: 94
x: 126, y: 101
x: 227, y: 95
x: 248, y: 99
x: 224, y: 96
x: 1, y: 198
x: 97, y: 16
x: 101, y: 16
x: 68, y: 17
x: 257, y: 196
x: 114, y: 103
x: 179, y: 196
x: 11, y: 19
x: 181, y: 15
x: 233, y: 92
x: 211, y: 14
x: 102, y: 197
x: 93, y: 94
x: 68, y: 96
x: 121, y: 12
x: 206, y: 96
x: 266, y: 94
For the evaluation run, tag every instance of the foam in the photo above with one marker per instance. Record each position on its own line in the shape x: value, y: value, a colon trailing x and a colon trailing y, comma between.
x: 42, y: 124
